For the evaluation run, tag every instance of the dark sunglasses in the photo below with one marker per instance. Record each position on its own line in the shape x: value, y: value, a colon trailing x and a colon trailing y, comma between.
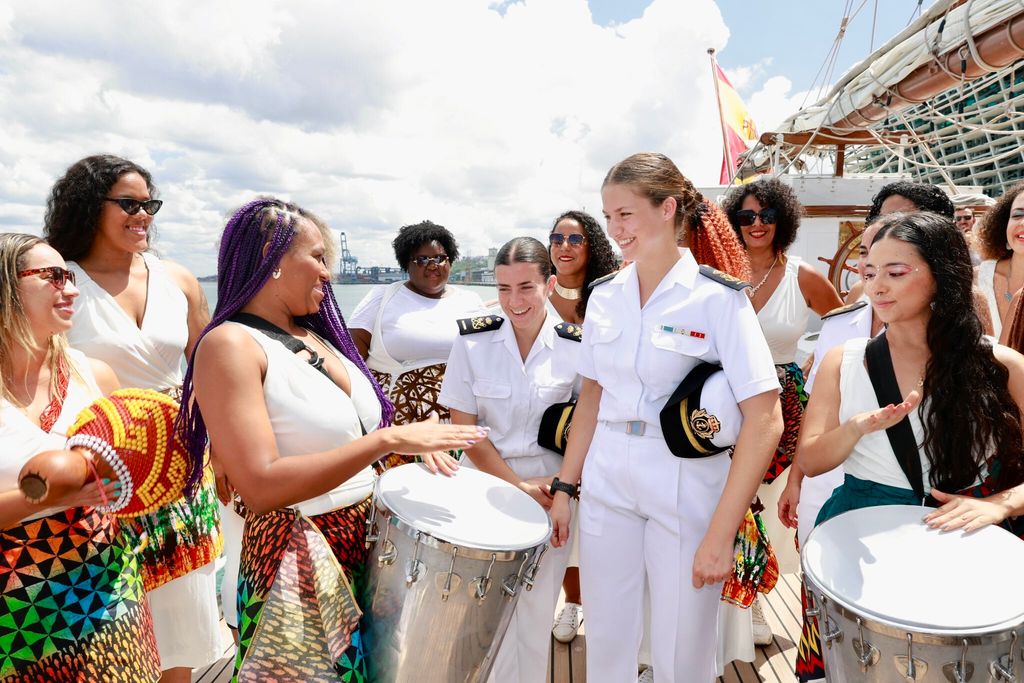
x: 132, y: 206
x: 746, y: 217
x: 557, y: 239
x: 424, y: 261
x: 57, y: 276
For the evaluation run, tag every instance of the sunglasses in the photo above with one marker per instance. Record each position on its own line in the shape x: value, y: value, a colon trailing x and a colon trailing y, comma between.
x: 557, y: 239
x: 424, y: 261
x: 132, y: 206
x: 745, y: 217
x: 57, y: 276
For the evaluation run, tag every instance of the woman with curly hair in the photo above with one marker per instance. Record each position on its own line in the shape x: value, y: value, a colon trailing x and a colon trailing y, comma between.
x: 765, y: 215
x: 140, y: 315
x: 580, y: 253
x: 1001, y: 243
x: 405, y: 330
x: 918, y: 277
x: 70, y: 591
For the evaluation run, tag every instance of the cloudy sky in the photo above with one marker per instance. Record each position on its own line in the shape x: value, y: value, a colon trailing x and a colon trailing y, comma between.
x: 490, y: 117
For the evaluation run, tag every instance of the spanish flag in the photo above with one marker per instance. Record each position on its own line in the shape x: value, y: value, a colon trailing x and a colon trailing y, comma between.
x: 738, y: 129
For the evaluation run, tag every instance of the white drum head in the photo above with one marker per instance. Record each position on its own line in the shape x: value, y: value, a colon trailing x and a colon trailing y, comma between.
x: 885, y: 563
x: 470, y: 509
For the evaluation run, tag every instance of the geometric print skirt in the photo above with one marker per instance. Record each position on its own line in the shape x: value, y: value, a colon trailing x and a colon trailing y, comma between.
x: 72, y: 607
x: 300, y: 583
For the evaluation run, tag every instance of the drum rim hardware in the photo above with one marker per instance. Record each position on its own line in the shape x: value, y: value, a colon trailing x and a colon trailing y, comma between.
x: 482, y: 584
x: 867, y: 654
x: 1002, y: 668
x: 961, y: 671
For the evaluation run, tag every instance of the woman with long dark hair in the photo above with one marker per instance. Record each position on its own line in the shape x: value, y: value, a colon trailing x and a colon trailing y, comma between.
x: 141, y: 314
x: 279, y: 385
x: 919, y: 280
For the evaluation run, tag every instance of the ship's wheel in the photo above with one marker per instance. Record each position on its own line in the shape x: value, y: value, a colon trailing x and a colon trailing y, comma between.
x: 842, y: 267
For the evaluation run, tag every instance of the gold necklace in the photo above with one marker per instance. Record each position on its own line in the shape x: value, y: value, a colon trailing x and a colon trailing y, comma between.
x: 568, y: 293
x: 753, y: 290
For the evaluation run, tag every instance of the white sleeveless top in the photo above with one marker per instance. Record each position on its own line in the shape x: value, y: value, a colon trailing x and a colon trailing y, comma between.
x: 309, y: 413
x: 987, y: 282
x: 784, y: 316
x: 147, y: 358
x: 872, y: 457
x: 22, y: 438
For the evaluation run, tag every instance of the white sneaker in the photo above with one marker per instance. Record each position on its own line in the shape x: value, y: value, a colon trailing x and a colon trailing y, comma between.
x: 567, y: 623
x: 646, y: 676
x: 762, y: 632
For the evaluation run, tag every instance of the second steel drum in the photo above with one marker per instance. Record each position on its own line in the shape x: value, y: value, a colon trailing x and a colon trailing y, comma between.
x: 449, y: 558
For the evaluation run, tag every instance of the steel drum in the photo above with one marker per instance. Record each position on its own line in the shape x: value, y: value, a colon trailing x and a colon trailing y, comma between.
x: 897, y: 601
x: 449, y: 557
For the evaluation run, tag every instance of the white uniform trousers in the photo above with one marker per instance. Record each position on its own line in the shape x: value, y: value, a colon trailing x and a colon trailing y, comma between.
x: 524, y: 655
x: 643, y: 513
x: 232, y: 526
x: 813, y: 493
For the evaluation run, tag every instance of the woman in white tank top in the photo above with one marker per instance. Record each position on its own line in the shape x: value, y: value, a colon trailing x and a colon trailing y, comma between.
x: 766, y: 215
x: 303, y: 429
x: 1000, y: 238
x: 66, y: 547
x: 140, y: 315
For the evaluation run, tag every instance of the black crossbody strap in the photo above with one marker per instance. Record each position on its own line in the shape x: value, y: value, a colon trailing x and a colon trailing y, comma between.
x: 274, y: 332
x: 887, y: 391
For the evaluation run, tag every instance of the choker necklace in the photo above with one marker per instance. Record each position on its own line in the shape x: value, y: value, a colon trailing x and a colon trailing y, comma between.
x: 569, y: 293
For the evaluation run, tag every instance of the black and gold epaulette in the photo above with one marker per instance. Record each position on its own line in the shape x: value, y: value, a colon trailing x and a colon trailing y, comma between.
x: 482, y: 323
x: 570, y: 331
x: 723, y: 278
x: 855, y: 306
x: 601, y: 280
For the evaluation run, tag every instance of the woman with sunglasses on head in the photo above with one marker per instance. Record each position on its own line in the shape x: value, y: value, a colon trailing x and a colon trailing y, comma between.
x: 766, y: 215
x: 646, y: 515
x: 279, y: 384
x: 51, y: 551
x: 405, y: 330
x: 141, y: 315
x: 580, y: 253
x: 505, y: 373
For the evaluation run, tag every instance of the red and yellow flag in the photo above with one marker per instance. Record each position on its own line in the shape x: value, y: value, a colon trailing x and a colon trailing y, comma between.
x: 738, y: 127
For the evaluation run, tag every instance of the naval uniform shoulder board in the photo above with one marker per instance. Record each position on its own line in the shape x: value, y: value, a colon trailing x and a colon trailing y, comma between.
x: 601, y: 280
x: 570, y: 331
x: 483, y: 323
x: 723, y: 278
x: 848, y: 308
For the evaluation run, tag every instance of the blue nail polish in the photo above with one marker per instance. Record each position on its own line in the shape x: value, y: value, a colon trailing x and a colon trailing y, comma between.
x: 106, y: 482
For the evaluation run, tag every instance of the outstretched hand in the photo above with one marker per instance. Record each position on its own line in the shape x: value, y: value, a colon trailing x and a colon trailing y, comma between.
x: 965, y: 512
x: 883, y: 418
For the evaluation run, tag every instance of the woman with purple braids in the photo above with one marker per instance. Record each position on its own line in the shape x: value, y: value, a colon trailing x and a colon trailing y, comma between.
x: 292, y: 411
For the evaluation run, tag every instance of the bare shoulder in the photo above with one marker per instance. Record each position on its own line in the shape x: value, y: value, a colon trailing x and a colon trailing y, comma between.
x: 106, y: 378
x: 1012, y: 360
x: 229, y: 344
x: 184, y: 277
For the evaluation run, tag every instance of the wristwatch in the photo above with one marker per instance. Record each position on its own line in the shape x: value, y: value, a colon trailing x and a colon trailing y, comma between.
x: 564, y: 487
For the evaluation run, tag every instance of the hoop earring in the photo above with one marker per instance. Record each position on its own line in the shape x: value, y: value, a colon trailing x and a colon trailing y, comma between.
x: 276, y: 274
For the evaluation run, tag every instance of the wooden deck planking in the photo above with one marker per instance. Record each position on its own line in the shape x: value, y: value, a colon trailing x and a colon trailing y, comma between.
x: 773, y: 663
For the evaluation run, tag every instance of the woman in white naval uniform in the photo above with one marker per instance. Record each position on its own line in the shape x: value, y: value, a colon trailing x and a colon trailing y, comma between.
x: 646, y: 514
x: 504, y: 375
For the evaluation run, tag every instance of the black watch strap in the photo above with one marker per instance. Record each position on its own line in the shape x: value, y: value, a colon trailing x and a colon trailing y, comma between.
x: 571, y: 489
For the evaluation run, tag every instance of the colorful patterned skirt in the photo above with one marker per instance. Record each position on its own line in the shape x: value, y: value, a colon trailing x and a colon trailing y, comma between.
x: 794, y: 400
x: 300, y: 583
x: 414, y: 393
x: 177, y: 538
x: 72, y: 606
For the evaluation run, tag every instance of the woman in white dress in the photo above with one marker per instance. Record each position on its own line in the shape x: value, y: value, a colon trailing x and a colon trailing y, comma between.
x: 766, y: 216
x: 1000, y: 239
x: 142, y: 315
x: 405, y: 330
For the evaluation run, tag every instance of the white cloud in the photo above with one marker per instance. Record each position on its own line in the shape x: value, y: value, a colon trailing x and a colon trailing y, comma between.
x: 490, y: 118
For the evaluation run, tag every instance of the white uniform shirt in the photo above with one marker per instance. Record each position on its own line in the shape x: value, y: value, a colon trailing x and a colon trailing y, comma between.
x: 487, y: 377
x: 835, y: 332
x: 639, y: 355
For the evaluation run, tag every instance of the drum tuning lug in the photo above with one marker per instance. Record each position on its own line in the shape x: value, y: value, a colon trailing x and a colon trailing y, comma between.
x: 482, y: 584
x: 1002, y: 668
x: 371, y: 526
x: 830, y: 631
x: 531, y: 572
x: 510, y: 586
x: 812, y: 612
x: 415, y: 567
x: 446, y: 589
x: 867, y: 654
x: 911, y: 668
x: 390, y: 554
x: 959, y: 672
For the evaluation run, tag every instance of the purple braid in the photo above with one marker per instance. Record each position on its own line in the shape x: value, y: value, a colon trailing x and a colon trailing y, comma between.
x: 242, y: 271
